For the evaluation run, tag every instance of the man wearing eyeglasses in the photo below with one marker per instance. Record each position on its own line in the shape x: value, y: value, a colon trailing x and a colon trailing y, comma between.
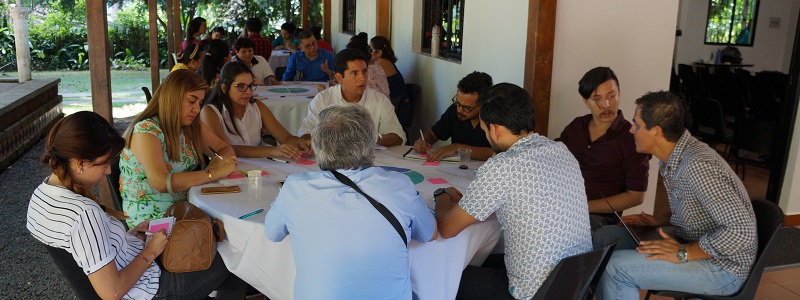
x: 351, y: 73
x: 605, y: 150
x: 309, y: 60
x: 460, y: 123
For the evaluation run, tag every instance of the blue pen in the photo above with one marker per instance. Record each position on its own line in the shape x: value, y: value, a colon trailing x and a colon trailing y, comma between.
x: 247, y: 215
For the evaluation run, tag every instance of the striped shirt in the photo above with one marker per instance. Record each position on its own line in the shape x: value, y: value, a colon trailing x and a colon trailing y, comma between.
x: 710, y: 205
x: 63, y: 219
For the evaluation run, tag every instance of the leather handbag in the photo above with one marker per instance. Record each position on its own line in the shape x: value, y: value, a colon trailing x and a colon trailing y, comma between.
x: 192, y: 244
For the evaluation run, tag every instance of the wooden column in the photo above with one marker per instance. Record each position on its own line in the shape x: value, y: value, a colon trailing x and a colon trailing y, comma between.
x: 384, y: 19
x: 152, y: 7
x: 170, y: 41
x: 100, y: 69
x: 177, y: 31
x: 539, y: 58
x: 304, y: 13
x: 326, y: 21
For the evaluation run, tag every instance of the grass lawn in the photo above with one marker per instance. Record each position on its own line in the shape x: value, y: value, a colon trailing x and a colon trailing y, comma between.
x: 126, y: 89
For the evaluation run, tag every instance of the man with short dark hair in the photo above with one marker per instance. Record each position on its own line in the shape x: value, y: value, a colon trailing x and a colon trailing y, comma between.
x: 351, y: 73
x: 309, y: 60
x: 535, y: 188
x: 460, y: 122
x: 262, y: 73
x: 343, y: 247
x: 716, y: 240
x: 261, y: 45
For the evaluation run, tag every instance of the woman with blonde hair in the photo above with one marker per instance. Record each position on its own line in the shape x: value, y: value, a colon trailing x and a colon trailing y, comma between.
x: 164, y: 145
x: 235, y: 116
x: 64, y: 214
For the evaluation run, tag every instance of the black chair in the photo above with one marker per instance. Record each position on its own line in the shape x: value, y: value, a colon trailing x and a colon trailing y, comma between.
x: 147, y: 95
x: 576, y: 277
x: 755, y: 136
x: 708, y: 122
x: 113, y: 184
x: 769, y: 218
x: 405, y: 108
x: 77, y: 280
x: 279, y: 73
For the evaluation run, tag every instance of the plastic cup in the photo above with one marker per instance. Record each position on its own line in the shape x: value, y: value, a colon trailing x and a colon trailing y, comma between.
x: 254, y: 181
x: 463, y: 157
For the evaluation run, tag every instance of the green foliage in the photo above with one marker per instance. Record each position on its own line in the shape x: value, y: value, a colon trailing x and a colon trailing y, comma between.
x: 727, y: 19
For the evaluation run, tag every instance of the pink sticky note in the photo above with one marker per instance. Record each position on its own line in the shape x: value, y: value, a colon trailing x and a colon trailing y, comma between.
x: 424, y: 155
x: 305, y: 162
x: 264, y: 173
x: 431, y: 163
x: 156, y: 228
x: 437, y: 180
x: 235, y: 175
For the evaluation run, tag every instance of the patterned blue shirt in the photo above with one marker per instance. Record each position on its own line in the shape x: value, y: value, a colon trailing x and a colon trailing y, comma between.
x: 536, y: 190
x: 311, y: 70
x: 710, y: 205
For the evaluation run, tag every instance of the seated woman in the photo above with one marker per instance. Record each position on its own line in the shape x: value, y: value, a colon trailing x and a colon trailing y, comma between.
x: 605, y: 149
x: 164, y: 145
x: 383, y: 56
x: 191, y: 59
x: 196, y: 28
x: 64, y: 214
x: 217, y: 55
x: 236, y: 117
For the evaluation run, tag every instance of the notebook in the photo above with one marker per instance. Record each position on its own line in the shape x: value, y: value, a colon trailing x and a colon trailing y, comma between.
x: 411, y: 154
x: 164, y: 223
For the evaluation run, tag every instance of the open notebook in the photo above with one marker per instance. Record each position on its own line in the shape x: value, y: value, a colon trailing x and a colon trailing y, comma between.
x: 411, y: 154
x: 164, y: 223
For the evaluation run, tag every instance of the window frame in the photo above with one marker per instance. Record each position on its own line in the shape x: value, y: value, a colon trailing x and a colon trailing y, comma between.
x: 730, y: 24
x: 349, y: 16
x: 447, y: 11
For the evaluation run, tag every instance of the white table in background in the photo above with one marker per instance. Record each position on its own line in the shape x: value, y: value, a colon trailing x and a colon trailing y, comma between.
x: 269, y: 267
x: 290, y: 108
x: 279, y: 58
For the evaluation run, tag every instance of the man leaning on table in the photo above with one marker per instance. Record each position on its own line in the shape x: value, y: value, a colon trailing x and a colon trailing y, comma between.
x: 460, y: 122
x: 535, y: 188
x: 343, y: 247
x: 709, y: 207
x: 351, y: 73
x: 309, y: 60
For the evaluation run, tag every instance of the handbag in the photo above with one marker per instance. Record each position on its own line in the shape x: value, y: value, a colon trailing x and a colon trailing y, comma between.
x: 380, y: 207
x: 192, y: 244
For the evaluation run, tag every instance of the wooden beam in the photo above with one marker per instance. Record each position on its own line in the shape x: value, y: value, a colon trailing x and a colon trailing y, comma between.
x: 326, y: 20
x: 306, y: 22
x: 178, y: 31
x: 152, y: 7
x: 170, y: 41
x: 539, y: 58
x: 384, y: 19
x: 99, y: 69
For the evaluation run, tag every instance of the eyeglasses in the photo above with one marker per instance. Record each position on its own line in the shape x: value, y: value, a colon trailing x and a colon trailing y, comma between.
x: 458, y: 105
x: 243, y: 87
x: 607, y: 101
x: 309, y: 45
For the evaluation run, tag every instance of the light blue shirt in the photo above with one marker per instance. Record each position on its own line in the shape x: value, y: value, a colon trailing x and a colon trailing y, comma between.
x: 311, y: 69
x: 343, y: 247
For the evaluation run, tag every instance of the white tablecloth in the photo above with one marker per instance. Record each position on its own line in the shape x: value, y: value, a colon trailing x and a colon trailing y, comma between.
x: 290, y: 108
x: 269, y: 267
x: 279, y: 58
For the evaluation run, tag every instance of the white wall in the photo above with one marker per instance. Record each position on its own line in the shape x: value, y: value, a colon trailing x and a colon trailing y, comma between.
x: 634, y: 38
x: 769, y: 50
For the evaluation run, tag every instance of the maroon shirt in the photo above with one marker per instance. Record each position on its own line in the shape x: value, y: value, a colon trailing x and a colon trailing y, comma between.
x: 262, y: 46
x: 610, y: 165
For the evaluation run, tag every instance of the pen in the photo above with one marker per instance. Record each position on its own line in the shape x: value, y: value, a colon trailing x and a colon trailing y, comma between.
x: 422, y: 136
x: 146, y: 232
x: 278, y: 160
x: 215, y: 153
x: 247, y: 215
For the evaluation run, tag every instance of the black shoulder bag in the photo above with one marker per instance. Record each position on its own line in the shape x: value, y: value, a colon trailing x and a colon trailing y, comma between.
x: 382, y: 209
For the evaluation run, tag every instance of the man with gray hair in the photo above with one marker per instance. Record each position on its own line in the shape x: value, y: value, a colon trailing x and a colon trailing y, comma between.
x: 343, y: 247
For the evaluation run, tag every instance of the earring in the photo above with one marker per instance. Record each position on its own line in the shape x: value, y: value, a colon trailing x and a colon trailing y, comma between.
x: 80, y: 171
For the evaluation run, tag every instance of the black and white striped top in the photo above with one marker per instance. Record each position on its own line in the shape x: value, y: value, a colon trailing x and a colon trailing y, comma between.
x: 63, y: 219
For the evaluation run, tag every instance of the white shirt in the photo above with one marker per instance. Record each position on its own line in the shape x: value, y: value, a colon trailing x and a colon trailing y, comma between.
x: 260, y: 68
x: 379, y: 107
x: 536, y: 190
x: 63, y: 219
x: 249, y: 126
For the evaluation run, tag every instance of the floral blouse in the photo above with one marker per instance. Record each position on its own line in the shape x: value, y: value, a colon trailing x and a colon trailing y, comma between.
x: 140, y: 201
x: 376, y: 79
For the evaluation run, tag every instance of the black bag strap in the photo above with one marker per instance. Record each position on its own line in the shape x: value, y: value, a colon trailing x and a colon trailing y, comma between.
x: 382, y: 209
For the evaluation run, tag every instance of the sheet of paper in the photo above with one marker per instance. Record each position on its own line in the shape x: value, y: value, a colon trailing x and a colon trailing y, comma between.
x: 424, y: 156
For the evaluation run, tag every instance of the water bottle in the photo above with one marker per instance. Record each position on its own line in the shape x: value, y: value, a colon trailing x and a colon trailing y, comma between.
x: 435, y: 41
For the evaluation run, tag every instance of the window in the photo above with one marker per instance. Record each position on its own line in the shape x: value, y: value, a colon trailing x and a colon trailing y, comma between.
x: 731, y: 22
x: 349, y: 16
x: 449, y: 16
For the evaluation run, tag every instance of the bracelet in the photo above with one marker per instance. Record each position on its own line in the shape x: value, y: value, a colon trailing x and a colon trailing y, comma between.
x: 209, y: 175
x: 169, y: 183
x: 149, y: 262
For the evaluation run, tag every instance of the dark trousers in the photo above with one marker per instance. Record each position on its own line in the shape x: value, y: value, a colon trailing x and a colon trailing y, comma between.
x: 488, y: 281
x: 197, y: 285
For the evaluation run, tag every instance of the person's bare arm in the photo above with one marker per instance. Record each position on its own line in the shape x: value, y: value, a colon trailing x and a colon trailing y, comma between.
x: 620, y: 202
x: 390, y: 139
x: 450, y: 217
x: 110, y: 283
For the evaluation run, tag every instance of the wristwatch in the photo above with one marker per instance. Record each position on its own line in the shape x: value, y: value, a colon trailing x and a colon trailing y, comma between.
x: 683, y: 256
x: 440, y: 191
